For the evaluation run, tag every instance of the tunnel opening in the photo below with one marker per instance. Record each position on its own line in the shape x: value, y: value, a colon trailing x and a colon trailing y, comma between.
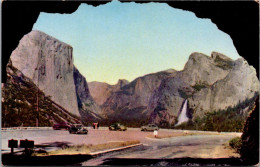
x: 251, y: 36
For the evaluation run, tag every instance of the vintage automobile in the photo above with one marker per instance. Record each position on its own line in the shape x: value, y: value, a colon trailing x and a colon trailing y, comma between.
x: 117, y: 126
x: 78, y: 129
x: 62, y: 125
x: 149, y: 127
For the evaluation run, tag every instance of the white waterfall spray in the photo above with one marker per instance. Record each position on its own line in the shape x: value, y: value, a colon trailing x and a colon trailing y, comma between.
x: 183, y: 116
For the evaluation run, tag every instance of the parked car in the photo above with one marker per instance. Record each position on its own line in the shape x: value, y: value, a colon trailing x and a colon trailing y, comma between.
x: 117, y: 126
x: 62, y: 125
x: 78, y: 129
x: 149, y: 127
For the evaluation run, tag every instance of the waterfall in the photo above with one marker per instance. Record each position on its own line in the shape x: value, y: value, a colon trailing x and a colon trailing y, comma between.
x: 183, y: 116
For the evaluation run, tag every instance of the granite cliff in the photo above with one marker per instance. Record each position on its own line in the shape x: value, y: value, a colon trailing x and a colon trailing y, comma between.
x: 88, y: 108
x: 128, y: 102
x: 208, y: 83
x: 48, y: 62
x: 23, y: 103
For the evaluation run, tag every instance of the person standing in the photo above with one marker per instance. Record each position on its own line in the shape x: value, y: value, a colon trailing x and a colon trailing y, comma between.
x: 155, y: 133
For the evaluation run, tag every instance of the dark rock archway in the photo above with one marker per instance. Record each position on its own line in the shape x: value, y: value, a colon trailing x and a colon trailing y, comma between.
x: 239, y: 19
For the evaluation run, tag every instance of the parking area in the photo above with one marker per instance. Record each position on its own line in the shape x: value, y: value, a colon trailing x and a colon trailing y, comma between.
x: 57, y: 138
x: 197, y: 145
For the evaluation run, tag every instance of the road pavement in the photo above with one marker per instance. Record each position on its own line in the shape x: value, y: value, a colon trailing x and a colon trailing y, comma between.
x: 195, y: 146
x: 200, y: 146
x: 59, y: 138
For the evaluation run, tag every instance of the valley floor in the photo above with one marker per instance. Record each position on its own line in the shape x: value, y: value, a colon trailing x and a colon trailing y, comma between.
x: 193, y: 144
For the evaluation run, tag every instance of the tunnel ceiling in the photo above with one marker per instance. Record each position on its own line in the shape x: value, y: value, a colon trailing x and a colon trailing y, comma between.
x: 239, y: 19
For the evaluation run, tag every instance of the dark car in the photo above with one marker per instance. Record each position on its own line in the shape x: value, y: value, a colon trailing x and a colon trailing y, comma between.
x: 117, y: 126
x: 78, y: 129
x: 149, y: 127
x: 62, y: 125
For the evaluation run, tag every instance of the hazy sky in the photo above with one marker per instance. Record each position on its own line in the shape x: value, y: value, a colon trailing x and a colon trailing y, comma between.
x: 127, y: 40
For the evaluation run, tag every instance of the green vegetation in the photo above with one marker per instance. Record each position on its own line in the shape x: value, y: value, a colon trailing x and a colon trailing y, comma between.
x: 224, y: 64
x: 126, y: 117
x: 199, y: 85
x: 226, y: 121
x: 229, y: 120
x: 236, y: 144
x: 19, y: 104
x: 86, y: 149
x: 183, y: 94
x: 121, y: 115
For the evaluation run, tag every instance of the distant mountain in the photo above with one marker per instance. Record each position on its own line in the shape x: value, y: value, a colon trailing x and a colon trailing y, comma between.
x: 209, y: 83
x: 48, y: 62
x: 100, y: 91
x: 129, y: 103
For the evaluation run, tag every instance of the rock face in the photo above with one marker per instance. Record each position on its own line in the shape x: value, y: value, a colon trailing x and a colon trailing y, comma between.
x: 20, y: 107
x: 100, y: 91
x: 250, y: 138
x: 209, y: 84
x: 130, y: 101
x: 240, y: 84
x: 85, y: 100
x: 48, y: 62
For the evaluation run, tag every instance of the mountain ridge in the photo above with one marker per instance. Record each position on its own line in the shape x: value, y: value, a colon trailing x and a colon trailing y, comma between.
x: 208, y: 83
x: 201, y: 75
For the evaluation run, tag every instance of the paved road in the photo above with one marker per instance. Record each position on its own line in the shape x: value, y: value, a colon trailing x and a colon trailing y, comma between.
x: 197, y: 146
x: 57, y: 138
x: 201, y: 146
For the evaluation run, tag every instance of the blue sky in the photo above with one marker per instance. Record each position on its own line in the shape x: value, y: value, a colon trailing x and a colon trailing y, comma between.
x: 127, y: 40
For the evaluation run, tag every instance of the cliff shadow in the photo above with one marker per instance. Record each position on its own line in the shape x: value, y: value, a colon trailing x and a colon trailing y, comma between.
x: 59, y: 160
x: 186, y: 161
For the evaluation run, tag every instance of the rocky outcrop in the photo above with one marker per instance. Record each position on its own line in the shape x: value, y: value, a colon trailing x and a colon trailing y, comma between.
x: 209, y: 83
x: 100, y: 91
x: 250, y: 137
x: 236, y: 22
x: 48, y: 62
x: 131, y: 101
x: 239, y: 85
x: 85, y: 101
x: 204, y: 69
x: 23, y: 104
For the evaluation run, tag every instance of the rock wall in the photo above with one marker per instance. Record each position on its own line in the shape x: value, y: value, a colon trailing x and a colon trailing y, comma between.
x: 19, y: 104
x: 20, y: 14
x: 131, y: 101
x: 85, y: 100
x: 49, y: 63
x: 209, y: 83
x: 250, y: 137
x: 239, y: 85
